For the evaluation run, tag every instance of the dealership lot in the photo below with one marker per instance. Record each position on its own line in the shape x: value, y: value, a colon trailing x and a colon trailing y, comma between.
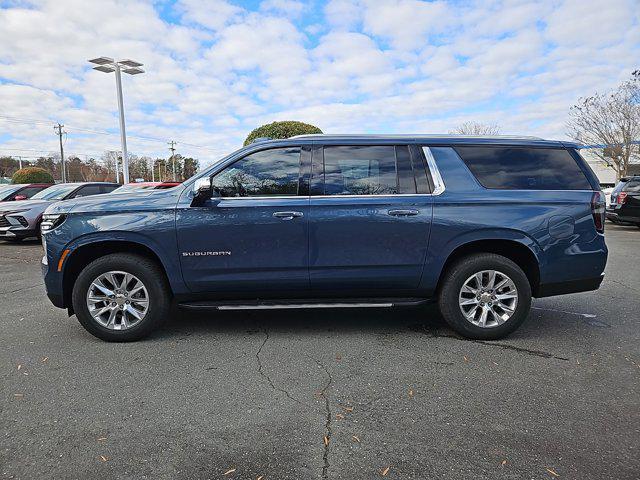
x: 324, y: 394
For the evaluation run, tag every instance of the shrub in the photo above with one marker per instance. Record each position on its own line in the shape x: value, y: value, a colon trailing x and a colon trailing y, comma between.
x: 281, y: 130
x: 32, y: 175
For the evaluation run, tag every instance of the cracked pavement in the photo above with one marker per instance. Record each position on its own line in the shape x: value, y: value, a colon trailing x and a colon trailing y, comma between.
x: 329, y: 394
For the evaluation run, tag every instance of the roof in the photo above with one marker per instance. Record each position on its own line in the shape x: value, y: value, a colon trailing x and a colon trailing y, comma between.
x: 437, y: 139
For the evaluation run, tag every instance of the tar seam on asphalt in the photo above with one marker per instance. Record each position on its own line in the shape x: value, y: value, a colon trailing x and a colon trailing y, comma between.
x: 20, y: 289
x: 503, y: 346
x: 267, y: 377
x: 327, y: 425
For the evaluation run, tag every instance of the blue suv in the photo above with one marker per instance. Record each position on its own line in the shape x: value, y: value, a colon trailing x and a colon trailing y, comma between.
x: 480, y: 225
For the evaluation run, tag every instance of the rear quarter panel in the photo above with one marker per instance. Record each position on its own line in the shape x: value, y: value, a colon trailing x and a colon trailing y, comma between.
x: 556, y: 226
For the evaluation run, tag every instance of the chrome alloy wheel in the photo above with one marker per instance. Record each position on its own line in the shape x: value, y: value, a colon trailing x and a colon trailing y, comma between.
x: 488, y: 298
x: 117, y: 300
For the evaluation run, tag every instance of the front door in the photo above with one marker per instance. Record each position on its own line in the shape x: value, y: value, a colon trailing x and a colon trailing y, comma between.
x: 252, y: 240
x: 370, y: 218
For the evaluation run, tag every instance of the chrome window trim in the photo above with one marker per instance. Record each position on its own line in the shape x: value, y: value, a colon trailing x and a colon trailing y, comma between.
x: 438, y: 183
x: 265, y: 197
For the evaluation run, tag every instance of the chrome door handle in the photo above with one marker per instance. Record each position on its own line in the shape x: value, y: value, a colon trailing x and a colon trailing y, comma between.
x: 403, y: 212
x: 288, y: 215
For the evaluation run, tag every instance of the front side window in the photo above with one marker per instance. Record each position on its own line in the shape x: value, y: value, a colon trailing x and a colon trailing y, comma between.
x: 265, y: 173
x: 360, y: 170
x: 522, y: 168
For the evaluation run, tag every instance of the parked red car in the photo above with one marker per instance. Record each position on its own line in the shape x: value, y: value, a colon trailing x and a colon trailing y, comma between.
x: 132, y: 187
x: 24, y: 191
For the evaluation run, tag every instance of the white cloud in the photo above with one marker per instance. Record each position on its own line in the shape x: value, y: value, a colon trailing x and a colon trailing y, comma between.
x: 215, y: 69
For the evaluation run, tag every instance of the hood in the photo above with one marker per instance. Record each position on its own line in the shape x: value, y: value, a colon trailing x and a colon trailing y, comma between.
x: 117, y: 202
x: 23, y: 205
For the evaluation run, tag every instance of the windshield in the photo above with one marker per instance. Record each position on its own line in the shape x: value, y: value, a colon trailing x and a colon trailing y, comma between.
x: 132, y: 187
x: 56, y: 192
x: 619, y: 186
x: 8, y: 189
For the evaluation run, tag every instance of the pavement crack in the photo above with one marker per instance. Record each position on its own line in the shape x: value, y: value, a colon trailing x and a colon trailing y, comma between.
x: 21, y: 289
x: 327, y: 425
x: 502, y: 346
x: 264, y: 375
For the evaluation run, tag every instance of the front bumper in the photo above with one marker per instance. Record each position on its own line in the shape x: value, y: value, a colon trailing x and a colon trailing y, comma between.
x: 17, y: 232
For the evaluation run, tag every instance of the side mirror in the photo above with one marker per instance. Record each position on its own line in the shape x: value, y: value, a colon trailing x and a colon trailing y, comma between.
x: 202, y: 191
x: 17, y: 198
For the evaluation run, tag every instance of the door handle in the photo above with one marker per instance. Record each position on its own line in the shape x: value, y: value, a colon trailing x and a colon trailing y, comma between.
x: 403, y: 212
x: 287, y: 215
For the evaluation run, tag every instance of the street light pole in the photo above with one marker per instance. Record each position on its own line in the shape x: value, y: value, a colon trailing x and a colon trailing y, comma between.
x: 108, y: 65
x: 123, y: 135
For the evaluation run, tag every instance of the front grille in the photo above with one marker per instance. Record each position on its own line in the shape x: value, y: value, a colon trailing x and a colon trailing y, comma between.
x: 4, y: 222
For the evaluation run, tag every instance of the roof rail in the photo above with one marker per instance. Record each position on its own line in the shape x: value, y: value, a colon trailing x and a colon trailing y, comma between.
x: 260, y: 139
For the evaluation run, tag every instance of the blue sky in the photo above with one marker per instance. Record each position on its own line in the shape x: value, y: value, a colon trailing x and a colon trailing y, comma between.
x: 216, y: 69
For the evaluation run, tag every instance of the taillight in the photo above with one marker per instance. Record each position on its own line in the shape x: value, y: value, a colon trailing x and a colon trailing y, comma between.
x: 598, y: 207
x: 622, y: 198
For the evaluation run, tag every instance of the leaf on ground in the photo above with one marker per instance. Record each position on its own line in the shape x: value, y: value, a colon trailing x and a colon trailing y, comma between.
x: 338, y: 357
x: 339, y: 416
x: 355, y: 438
x: 385, y: 471
x: 103, y: 458
x: 326, y: 440
x: 45, y: 359
x: 550, y: 470
x: 18, y: 394
x: 102, y: 439
x: 411, y: 392
x: 504, y: 462
x: 465, y: 358
x: 348, y: 409
x: 19, y: 366
x: 230, y: 471
x: 260, y: 477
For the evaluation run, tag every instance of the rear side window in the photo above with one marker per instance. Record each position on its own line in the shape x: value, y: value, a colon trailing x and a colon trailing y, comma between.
x: 522, y: 168
x: 108, y: 188
x: 360, y: 170
x: 88, y: 191
x: 29, y: 191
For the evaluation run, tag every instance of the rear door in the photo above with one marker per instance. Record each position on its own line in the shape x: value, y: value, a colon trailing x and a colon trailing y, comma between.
x: 252, y: 240
x: 369, y: 220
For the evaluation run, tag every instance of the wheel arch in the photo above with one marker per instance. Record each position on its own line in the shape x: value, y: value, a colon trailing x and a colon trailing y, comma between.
x: 513, y: 249
x: 88, y: 251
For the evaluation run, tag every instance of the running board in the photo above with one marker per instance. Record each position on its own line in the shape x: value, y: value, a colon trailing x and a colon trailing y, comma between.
x: 306, y: 303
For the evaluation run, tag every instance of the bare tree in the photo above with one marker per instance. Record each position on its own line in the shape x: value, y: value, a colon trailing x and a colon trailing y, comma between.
x: 610, y: 121
x: 476, y: 128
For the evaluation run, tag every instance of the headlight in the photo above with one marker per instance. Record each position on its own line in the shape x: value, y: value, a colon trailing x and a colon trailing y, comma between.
x: 51, y: 221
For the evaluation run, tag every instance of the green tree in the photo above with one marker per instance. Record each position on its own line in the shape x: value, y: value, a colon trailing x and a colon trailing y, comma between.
x: 32, y: 175
x: 190, y: 167
x: 284, y: 129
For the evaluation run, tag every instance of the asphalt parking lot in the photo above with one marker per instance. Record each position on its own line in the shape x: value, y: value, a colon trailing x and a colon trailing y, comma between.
x: 353, y: 394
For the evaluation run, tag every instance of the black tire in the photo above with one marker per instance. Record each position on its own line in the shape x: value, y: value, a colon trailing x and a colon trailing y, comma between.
x: 455, y: 277
x: 149, y: 273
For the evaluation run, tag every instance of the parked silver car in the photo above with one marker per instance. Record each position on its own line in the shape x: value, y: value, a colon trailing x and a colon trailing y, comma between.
x: 21, y: 219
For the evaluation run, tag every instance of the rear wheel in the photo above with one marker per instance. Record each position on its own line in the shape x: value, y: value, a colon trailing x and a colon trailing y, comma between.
x: 485, y: 296
x: 121, y: 297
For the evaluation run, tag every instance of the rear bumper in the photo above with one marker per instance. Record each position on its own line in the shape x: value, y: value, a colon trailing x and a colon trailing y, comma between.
x: 572, y: 286
x: 619, y: 216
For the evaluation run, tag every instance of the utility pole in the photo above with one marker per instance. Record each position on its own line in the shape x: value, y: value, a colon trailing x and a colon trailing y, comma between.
x: 58, y: 129
x: 20, y: 162
x: 153, y: 175
x: 172, y: 148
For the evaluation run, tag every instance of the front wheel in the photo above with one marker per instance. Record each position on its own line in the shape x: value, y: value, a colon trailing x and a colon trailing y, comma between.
x: 121, y: 297
x: 485, y: 296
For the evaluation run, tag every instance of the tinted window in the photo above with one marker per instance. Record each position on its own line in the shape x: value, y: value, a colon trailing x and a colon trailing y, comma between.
x: 88, y: 191
x: 406, y: 180
x: 360, y: 170
x: 29, y: 191
x: 269, y: 172
x: 633, y: 186
x: 56, y: 192
x: 524, y: 168
x: 108, y: 188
